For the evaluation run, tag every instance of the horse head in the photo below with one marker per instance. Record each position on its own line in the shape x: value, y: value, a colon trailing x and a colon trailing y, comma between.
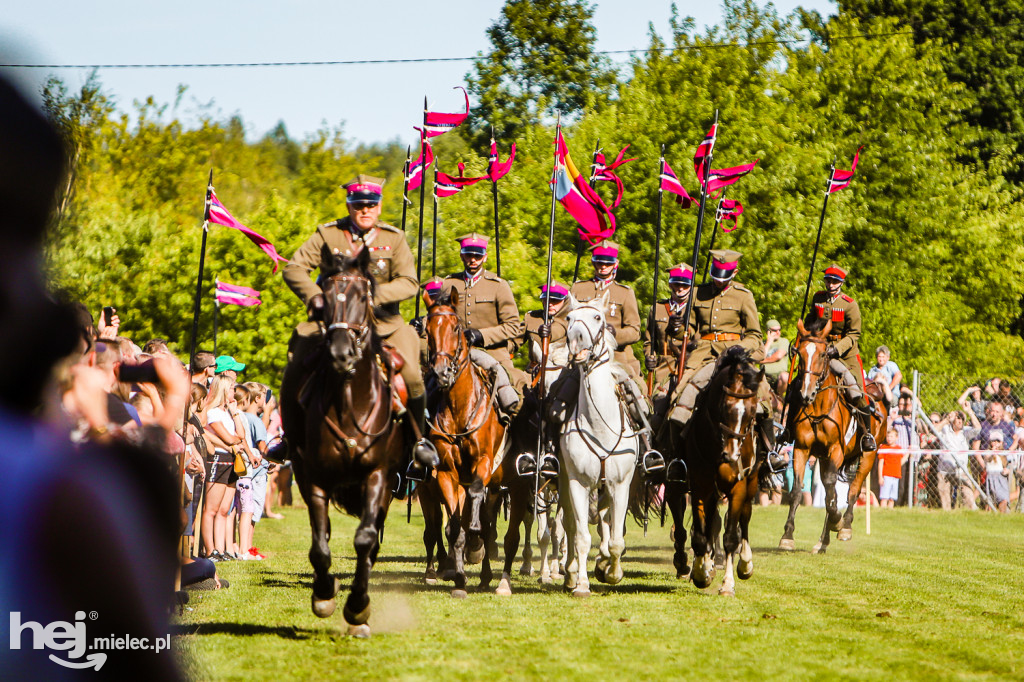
x: 590, y: 341
x: 810, y: 348
x: 449, y: 353
x: 737, y: 403
x: 348, y: 310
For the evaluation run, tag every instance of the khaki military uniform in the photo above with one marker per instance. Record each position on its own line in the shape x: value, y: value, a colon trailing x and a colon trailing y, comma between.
x: 845, y: 333
x: 531, y: 335
x: 720, y: 320
x: 392, y: 266
x: 489, y: 307
x: 659, y: 344
x: 624, y: 317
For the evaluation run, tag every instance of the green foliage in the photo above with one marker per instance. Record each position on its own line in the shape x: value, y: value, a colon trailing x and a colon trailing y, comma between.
x: 927, y: 234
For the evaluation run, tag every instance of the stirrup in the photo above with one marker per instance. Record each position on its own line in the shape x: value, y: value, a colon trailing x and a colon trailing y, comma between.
x: 416, y: 472
x: 676, y: 472
x: 652, y: 462
x: 277, y: 453
x: 775, y: 462
x: 425, y: 454
x: 868, y: 443
x: 399, y: 491
x: 549, y: 466
x: 526, y: 464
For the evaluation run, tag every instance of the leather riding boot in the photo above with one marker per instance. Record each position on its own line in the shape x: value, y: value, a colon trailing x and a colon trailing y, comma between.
x: 766, y: 427
x: 650, y: 459
x: 863, y: 415
x: 424, y: 454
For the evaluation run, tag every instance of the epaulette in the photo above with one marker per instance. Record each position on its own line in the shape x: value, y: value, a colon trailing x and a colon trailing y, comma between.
x: 624, y: 286
x: 535, y: 313
x: 333, y: 223
x: 846, y: 298
x: 455, y: 275
x: 487, y: 274
x: 740, y: 287
x: 389, y: 228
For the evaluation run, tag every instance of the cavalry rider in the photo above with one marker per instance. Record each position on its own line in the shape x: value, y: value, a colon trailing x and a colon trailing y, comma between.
x: 535, y: 332
x: 844, y: 348
x: 490, y: 320
x: 662, y: 351
x: 393, y: 268
x: 623, y: 316
x: 723, y: 315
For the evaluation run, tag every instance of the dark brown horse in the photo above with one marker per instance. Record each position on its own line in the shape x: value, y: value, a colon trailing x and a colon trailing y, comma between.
x: 824, y: 427
x: 720, y: 459
x: 471, y: 442
x: 349, y: 447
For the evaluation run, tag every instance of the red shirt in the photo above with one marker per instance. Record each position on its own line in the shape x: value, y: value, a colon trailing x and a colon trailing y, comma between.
x: 892, y: 462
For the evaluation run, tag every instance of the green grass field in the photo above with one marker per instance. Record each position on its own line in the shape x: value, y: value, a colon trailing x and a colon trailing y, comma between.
x: 928, y: 595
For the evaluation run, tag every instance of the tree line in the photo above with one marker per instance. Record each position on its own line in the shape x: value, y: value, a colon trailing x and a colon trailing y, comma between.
x: 926, y: 230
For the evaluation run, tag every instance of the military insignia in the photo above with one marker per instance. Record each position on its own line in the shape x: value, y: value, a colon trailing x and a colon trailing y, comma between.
x: 611, y: 311
x: 380, y: 264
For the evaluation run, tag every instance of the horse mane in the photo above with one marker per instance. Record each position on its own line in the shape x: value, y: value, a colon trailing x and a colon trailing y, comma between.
x: 443, y: 297
x: 341, y: 264
x: 738, y: 359
x: 815, y: 326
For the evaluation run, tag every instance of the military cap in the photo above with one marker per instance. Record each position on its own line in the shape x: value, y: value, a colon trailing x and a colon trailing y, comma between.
x: 556, y: 292
x: 365, y: 189
x: 433, y: 285
x: 680, y: 274
x: 474, y: 244
x: 835, y: 272
x: 605, y: 251
x: 724, y: 263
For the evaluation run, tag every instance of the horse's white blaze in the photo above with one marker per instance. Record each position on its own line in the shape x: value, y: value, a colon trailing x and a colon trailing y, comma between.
x: 811, y: 350
x: 735, y: 443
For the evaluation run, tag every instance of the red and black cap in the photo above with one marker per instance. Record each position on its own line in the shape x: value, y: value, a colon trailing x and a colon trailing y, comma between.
x: 364, y: 190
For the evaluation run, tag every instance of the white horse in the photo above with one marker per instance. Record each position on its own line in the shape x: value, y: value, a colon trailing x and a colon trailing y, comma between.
x: 599, y: 449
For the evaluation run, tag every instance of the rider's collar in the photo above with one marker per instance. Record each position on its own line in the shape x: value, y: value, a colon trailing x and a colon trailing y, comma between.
x: 472, y: 279
x: 603, y: 283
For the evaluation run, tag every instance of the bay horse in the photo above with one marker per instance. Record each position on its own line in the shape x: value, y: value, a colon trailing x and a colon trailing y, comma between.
x: 351, y: 447
x: 472, y: 444
x: 598, y: 448
x: 719, y: 451
x: 824, y: 427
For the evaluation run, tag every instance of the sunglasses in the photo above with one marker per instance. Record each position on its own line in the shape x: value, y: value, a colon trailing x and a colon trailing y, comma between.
x: 362, y: 205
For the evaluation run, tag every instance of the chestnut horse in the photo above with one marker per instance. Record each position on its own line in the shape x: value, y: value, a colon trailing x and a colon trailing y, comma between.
x: 720, y: 457
x: 824, y: 427
x: 350, y: 446
x: 472, y: 443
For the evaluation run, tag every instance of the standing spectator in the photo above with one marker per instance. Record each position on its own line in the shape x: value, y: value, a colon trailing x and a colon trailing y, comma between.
x: 906, y: 430
x: 972, y: 401
x: 203, y: 367
x: 220, y: 488
x: 997, y: 473
x: 885, y: 373
x: 954, y: 471
x: 776, y: 355
x: 993, y: 422
x: 245, y: 502
x: 891, y: 459
x: 1005, y: 395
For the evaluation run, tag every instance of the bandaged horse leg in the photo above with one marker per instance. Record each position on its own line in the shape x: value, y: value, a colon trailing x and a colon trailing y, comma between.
x: 683, y: 410
x: 859, y: 401
x: 508, y: 399
x: 639, y: 412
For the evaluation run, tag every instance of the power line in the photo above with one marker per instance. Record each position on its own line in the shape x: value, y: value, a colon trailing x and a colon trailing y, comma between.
x: 424, y: 60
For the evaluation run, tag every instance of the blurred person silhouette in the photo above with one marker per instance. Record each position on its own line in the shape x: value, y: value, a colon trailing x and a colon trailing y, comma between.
x: 110, y: 508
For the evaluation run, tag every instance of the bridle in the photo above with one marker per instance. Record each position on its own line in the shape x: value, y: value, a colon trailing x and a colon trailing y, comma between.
x: 358, y: 333
x: 728, y: 433
x: 598, y: 346
x: 819, y: 376
x: 453, y: 366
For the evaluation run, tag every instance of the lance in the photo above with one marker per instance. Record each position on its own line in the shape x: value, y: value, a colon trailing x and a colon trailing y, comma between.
x: 433, y: 245
x: 545, y: 342
x: 216, y: 314
x: 423, y: 182
x: 405, y: 184
x: 696, y: 255
x: 497, y: 233
x: 651, y: 326
x: 593, y: 181
x: 714, y: 233
x: 817, y: 240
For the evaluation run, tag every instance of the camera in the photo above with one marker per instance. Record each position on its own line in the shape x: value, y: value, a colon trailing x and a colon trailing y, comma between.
x: 108, y: 315
x: 144, y: 372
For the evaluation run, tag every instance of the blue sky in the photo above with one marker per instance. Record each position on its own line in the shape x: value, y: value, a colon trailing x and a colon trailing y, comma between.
x: 375, y: 102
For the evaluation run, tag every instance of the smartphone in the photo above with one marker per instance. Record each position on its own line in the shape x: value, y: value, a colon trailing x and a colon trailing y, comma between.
x: 141, y: 373
x: 108, y: 315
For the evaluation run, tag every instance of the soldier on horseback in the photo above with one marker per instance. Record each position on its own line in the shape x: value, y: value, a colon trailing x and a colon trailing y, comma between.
x: 661, y: 350
x: 844, y: 350
x: 723, y: 315
x: 490, y: 320
x: 393, y: 268
x: 624, y: 319
x: 533, y: 335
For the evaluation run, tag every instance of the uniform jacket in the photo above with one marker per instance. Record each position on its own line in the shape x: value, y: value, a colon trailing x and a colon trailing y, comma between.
x: 657, y: 340
x: 845, y: 315
x: 730, y: 311
x: 391, y: 264
x: 623, y: 315
x: 535, y: 318
x: 489, y: 307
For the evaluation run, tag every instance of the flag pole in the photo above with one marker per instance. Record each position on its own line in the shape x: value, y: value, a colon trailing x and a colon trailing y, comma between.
x: 216, y: 314
x: 497, y: 233
x: 714, y: 233
x: 545, y: 342
x: 423, y: 182
x: 817, y: 241
x: 433, y: 243
x: 651, y: 326
x: 405, y: 184
x: 696, y: 254
x: 579, y: 245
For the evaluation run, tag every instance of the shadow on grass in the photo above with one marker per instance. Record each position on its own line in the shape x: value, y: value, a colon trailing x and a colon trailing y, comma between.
x: 245, y: 629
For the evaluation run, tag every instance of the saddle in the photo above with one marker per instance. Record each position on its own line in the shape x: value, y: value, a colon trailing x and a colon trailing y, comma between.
x: 390, y: 372
x: 400, y: 392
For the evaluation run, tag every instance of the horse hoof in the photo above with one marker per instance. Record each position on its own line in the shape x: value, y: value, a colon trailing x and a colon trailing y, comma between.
x: 504, y: 588
x: 818, y: 549
x: 743, y: 572
x: 545, y: 580
x: 356, y: 618
x: 845, y: 534
x: 449, y: 575
x: 323, y: 608
x: 459, y: 594
x: 526, y: 570
x: 613, y: 577
x: 786, y: 543
x: 430, y: 581
x: 727, y: 592
x: 600, y: 570
x: 582, y: 594
x: 475, y: 556
x: 359, y: 631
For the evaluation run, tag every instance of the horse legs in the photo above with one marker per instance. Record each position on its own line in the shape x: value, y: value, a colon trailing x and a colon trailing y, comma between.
x: 867, y: 463
x: 618, y: 507
x: 528, y: 518
x: 705, y: 508
x: 745, y: 565
x: 832, y: 517
x: 796, y: 495
x: 568, y: 517
x: 450, y: 489
x: 431, y: 508
x: 325, y: 586
x: 579, y: 539
x: 518, y: 513
x: 488, y: 520
x: 367, y: 544
x: 675, y: 498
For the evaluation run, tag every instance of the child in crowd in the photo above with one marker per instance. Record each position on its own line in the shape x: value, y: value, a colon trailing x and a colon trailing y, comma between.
x: 257, y: 435
x: 244, y: 503
x: 997, y: 473
x: 891, y: 459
